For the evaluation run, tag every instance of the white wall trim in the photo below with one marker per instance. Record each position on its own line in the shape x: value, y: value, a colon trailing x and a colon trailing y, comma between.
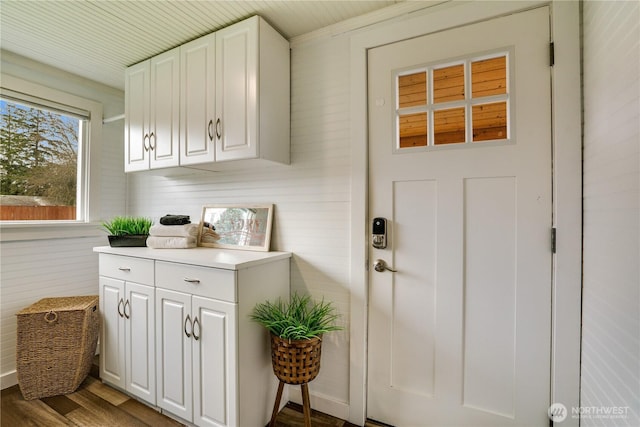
x: 567, y: 185
x: 8, y: 379
x: 320, y: 402
x: 375, y: 17
x: 567, y: 171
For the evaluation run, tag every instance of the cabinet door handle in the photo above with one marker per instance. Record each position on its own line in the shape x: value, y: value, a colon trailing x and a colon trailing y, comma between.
x: 127, y: 269
x: 196, y: 322
x: 152, y: 146
x: 218, y: 128
x: 119, y: 304
x: 188, y: 319
x: 144, y: 142
x: 125, y: 309
x: 186, y: 279
x: 210, y: 130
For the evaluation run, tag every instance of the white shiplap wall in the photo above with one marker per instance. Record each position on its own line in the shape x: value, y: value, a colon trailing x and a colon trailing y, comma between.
x: 311, y: 197
x: 611, y: 289
x: 34, y: 269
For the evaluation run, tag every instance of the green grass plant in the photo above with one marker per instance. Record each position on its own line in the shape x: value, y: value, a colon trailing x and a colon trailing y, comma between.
x: 300, y: 318
x: 126, y: 225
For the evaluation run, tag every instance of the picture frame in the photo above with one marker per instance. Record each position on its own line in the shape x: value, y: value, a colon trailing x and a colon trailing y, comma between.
x: 236, y: 226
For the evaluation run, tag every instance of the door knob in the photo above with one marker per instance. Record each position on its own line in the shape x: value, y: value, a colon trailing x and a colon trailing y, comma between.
x: 380, y: 265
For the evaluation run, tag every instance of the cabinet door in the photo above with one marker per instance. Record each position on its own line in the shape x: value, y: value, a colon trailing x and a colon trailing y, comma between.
x: 197, y: 101
x: 139, y: 313
x: 112, y: 341
x: 214, y: 363
x: 236, y: 90
x: 173, y: 352
x: 136, y: 117
x: 164, y: 120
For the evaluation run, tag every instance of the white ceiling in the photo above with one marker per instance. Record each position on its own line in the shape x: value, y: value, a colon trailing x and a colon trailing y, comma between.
x: 98, y: 39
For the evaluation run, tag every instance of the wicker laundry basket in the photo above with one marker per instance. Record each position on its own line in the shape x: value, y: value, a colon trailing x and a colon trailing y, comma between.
x: 56, y: 343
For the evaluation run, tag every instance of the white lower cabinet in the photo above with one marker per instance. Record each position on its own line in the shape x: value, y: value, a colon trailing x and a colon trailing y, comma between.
x: 197, y: 352
x: 177, y: 333
x: 127, y: 349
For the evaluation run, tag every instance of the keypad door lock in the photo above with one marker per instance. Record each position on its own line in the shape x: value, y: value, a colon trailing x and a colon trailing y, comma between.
x: 379, y: 233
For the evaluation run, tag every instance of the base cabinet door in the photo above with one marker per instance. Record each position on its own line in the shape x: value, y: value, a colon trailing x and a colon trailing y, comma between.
x: 139, y: 315
x: 112, y: 341
x: 127, y: 354
x: 196, y: 351
x: 214, y: 363
x: 173, y: 352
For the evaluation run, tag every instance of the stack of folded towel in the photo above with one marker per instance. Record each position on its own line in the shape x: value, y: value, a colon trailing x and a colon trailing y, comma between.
x: 173, y: 232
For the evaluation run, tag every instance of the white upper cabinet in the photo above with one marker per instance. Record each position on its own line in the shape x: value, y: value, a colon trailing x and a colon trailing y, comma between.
x: 252, y: 92
x: 237, y: 100
x: 152, y: 94
x: 222, y: 97
x: 136, y: 120
x: 198, y: 100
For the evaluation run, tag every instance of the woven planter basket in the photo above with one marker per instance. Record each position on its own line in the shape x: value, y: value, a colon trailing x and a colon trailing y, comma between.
x: 297, y: 361
x: 56, y: 342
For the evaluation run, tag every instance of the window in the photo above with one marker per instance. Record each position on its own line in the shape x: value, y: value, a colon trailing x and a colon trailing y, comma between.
x: 45, y: 155
x: 460, y: 102
x: 39, y: 151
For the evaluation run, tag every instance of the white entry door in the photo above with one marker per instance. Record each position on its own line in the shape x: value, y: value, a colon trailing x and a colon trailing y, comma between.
x: 460, y: 166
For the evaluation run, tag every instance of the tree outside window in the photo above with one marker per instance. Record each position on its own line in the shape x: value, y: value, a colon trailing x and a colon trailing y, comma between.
x: 38, y: 163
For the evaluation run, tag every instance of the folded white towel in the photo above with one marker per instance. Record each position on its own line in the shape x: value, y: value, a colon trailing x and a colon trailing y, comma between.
x: 160, y: 242
x: 186, y: 230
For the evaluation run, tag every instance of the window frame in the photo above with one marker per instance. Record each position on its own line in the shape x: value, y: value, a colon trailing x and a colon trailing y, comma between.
x: 88, y: 165
x: 467, y: 103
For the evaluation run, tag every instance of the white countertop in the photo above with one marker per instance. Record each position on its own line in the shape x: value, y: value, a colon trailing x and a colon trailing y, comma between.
x: 228, y: 259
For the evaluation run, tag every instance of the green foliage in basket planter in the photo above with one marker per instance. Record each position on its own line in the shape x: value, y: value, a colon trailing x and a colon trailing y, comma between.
x: 127, y: 225
x: 299, y: 319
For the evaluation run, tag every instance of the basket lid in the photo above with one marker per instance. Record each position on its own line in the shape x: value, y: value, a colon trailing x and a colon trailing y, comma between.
x: 60, y: 304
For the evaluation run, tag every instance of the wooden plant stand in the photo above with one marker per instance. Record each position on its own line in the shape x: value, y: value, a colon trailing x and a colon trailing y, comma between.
x: 297, y: 363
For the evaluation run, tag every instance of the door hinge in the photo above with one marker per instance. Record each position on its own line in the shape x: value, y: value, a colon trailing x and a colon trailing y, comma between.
x: 552, y: 54
x: 553, y: 240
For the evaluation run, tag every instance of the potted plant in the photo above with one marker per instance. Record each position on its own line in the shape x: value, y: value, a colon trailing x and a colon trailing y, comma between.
x: 296, y: 330
x: 128, y: 231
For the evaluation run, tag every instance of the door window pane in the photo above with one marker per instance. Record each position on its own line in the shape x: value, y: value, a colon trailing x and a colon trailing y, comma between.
x: 412, y: 89
x: 449, y: 126
x: 489, y: 77
x: 489, y: 121
x: 448, y: 84
x: 413, y: 130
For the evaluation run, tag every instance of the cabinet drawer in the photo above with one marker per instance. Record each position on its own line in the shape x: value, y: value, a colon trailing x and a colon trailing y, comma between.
x: 207, y: 282
x: 131, y: 269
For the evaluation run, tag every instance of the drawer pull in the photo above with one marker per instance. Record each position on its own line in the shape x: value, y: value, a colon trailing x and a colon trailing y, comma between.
x: 188, y: 319
x: 186, y: 279
x: 127, y: 269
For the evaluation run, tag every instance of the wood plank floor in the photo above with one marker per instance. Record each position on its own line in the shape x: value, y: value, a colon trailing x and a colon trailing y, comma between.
x: 95, y: 404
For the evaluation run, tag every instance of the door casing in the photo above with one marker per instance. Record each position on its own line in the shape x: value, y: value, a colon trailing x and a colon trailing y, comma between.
x: 567, y: 172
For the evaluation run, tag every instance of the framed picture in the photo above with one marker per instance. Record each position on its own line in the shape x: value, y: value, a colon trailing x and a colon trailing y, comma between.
x: 236, y: 226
